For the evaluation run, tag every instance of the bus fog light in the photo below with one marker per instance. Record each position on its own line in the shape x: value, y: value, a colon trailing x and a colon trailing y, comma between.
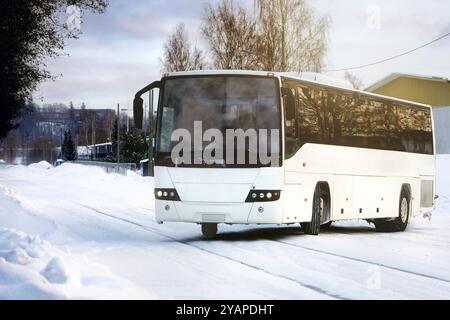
x: 167, y: 207
x: 260, y: 209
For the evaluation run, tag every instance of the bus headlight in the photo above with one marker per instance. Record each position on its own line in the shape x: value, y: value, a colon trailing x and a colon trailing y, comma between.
x: 166, y: 194
x: 263, y: 195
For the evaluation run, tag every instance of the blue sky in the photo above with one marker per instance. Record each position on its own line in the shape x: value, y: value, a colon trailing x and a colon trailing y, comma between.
x: 118, y: 52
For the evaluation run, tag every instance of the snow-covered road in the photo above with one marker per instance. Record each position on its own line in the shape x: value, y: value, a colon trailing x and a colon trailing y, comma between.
x: 77, y: 232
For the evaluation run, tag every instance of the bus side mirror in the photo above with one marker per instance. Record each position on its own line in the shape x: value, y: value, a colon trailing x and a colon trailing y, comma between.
x: 138, y: 112
x: 138, y: 102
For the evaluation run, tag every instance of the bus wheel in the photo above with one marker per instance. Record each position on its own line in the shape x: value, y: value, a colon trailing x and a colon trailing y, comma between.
x: 209, y: 230
x: 326, y: 226
x: 400, y: 223
x: 313, y: 227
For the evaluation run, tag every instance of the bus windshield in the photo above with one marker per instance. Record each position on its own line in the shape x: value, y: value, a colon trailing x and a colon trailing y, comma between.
x: 220, y: 102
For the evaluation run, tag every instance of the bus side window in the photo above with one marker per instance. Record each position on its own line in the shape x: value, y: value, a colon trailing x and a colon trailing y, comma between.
x: 292, y: 142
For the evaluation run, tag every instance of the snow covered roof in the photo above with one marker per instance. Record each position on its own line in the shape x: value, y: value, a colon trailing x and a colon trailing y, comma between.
x: 100, y: 144
x: 395, y: 76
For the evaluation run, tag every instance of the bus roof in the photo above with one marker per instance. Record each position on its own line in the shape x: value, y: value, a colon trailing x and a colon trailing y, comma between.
x: 310, y: 77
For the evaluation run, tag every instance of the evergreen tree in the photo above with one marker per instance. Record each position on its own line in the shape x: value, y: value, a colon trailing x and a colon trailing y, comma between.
x: 64, y: 147
x: 69, y: 152
x: 133, y: 146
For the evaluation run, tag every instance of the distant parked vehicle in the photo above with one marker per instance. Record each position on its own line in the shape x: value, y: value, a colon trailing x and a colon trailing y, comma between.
x: 2, y: 162
x: 58, y: 162
x: 144, y: 167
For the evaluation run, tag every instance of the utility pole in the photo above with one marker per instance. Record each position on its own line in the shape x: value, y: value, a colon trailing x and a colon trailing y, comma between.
x: 61, y: 140
x: 145, y: 125
x: 93, y: 135
x: 151, y: 134
x: 128, y: 122
x: 118, y: 135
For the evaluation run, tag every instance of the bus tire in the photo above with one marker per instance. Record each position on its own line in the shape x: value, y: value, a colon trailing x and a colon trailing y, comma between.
x: 326, y: 226
x: 400, y: 223
x: 209, y: 230
x: 313, y: 227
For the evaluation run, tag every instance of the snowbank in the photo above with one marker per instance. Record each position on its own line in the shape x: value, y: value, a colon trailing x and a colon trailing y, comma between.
x: 32, y: 268
x: 21, y: 257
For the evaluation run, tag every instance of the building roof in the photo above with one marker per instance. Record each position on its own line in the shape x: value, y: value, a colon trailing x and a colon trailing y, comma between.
x: 395, y: 76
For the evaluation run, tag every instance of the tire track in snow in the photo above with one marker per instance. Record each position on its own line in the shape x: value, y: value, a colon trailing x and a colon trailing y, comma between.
x: 419, y: 274
x: 308, y: 286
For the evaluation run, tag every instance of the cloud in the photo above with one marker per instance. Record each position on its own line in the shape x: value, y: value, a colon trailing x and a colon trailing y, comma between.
x: 118, y: 52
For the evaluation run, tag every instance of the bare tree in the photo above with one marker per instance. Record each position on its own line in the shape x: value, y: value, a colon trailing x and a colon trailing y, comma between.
x: 178, y: 53
x: 231, y: 35
x: 354, y: 80
x: 293, y: 37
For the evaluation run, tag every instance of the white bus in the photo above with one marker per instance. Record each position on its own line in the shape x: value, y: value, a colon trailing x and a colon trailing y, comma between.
x: 342, y: 154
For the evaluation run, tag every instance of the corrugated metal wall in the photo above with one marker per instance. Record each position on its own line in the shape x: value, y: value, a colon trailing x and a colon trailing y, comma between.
x: 442, y: 129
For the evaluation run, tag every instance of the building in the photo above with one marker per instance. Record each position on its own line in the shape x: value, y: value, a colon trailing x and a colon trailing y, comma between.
x: 434, y: 91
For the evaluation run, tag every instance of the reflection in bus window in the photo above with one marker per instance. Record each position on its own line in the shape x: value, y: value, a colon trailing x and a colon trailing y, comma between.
x: 344, y: 118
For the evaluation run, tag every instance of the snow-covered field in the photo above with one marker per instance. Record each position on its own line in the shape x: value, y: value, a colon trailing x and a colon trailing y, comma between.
x: 77, y: 232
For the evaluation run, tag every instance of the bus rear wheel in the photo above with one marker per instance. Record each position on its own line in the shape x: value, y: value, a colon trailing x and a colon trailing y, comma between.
x: 400, y: 223
x: 209, y: 230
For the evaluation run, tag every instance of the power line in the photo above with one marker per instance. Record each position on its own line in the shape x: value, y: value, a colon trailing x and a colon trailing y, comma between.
x: 391, y: 58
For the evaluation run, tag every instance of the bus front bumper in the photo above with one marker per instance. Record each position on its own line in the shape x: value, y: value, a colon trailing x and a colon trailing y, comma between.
x: 230, y: 213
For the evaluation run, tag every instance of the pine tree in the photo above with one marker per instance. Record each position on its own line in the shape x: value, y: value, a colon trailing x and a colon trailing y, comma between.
x: 69, y: 152
x: 133, y: 146
x: 64, y: 147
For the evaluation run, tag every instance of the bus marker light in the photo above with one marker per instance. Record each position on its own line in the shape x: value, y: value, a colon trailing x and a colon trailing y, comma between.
x: 263, y: 196
x: 166, y: 194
